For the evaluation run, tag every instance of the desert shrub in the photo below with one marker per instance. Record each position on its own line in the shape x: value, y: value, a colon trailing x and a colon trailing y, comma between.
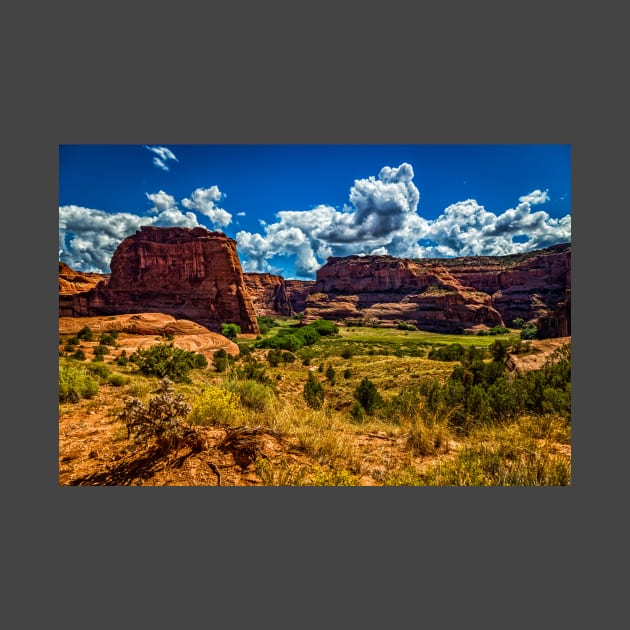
x: 367, y: 395
x: 265, y: 324
x: 330, y: 374
x: 99, y: 352
x: 98, y: 368
x: 288, y: 357
x: 122, y: 359
x: 85, y: 334
x: 357, y: 413
x: 499, y: 350
x: 529, y: 332
x: 324, y: 327
x: 279, y: 473
x: 498, y: 330
x: 347, y: 373
x: 215, y: 405
x: 313, y: 392
x: 274, y: 357
x: 78, y: 354
x: 166, y: 361
x: 254, y: 371
x: 518, y: 322
x: 404, y: 406
x: 252, y: 394
x: 75, y: 382
x: 450, y: 352
x: 231, y: 331
x: 118, y: 380
x: 108, y: 338
x: 162, y: 420
x: 406, y: 326
x: 73, y: 341
x: 428, y: 436
x: 347, y: 353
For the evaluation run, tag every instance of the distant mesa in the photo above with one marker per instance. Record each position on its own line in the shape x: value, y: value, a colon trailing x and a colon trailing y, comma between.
x: 447, y: 295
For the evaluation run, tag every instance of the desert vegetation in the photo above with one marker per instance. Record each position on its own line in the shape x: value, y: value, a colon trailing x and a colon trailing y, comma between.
x: 322, y: 405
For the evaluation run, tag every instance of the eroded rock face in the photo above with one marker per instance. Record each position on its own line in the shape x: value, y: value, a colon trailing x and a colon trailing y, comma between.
x: 189, y: 273
x: 298, y: 291
x: 269, y: 294
x: 444, y: 295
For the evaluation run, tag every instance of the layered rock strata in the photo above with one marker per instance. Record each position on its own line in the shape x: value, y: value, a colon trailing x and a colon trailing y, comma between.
x: 445, y: 294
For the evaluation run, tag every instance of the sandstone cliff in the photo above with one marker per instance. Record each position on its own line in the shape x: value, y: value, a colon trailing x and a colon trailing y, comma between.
x: 189, y: 273
x: 268, y: 293
x: 445, y: 294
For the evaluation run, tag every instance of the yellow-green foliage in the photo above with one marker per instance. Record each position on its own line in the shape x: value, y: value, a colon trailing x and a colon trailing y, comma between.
x: 214, y: 405
x: 323, y: 477
x: 75, y: 382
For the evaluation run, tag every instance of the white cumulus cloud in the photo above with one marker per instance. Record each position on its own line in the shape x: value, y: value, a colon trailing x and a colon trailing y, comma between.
x: 382, y: 218
x: 203, y: 200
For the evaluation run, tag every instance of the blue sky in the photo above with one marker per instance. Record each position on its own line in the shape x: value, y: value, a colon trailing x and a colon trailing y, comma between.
x: 289, y: 207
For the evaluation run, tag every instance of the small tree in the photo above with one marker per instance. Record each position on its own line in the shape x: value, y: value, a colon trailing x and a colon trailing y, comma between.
x: 367, y: 395
x: 85, y: 334
x: 231, y: 331
x: 330, y: 374
x: 313, y: 392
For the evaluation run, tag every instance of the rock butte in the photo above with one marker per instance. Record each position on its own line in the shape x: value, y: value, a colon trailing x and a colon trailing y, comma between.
x: 189, y: 273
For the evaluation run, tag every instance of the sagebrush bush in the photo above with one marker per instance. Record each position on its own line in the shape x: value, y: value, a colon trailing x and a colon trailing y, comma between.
x: 118, y: 380
x: 162, y: 420
x: 252, y: 394
x: 75, y: 382
x: 215, y: 405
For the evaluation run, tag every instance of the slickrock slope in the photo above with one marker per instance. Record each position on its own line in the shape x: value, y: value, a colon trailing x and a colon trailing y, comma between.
x: 189, y: 273
x: 268, y: 293
x: 143, y: 330
x: 445, y: 294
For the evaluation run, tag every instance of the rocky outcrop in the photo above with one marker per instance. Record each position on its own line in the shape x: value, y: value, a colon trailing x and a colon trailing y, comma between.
x: 189, y: 273
x: 268, y: 293
x: 445, y: 294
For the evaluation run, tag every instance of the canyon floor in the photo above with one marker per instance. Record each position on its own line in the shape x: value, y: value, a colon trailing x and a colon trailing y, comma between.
x: 94, y: 448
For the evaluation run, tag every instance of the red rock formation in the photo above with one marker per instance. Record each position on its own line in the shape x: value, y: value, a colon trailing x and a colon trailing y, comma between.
x: 189, y: 273
x: 443, y: 295
x: 268, y: 293
x: 71, y: 281
x: 298, y: 291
